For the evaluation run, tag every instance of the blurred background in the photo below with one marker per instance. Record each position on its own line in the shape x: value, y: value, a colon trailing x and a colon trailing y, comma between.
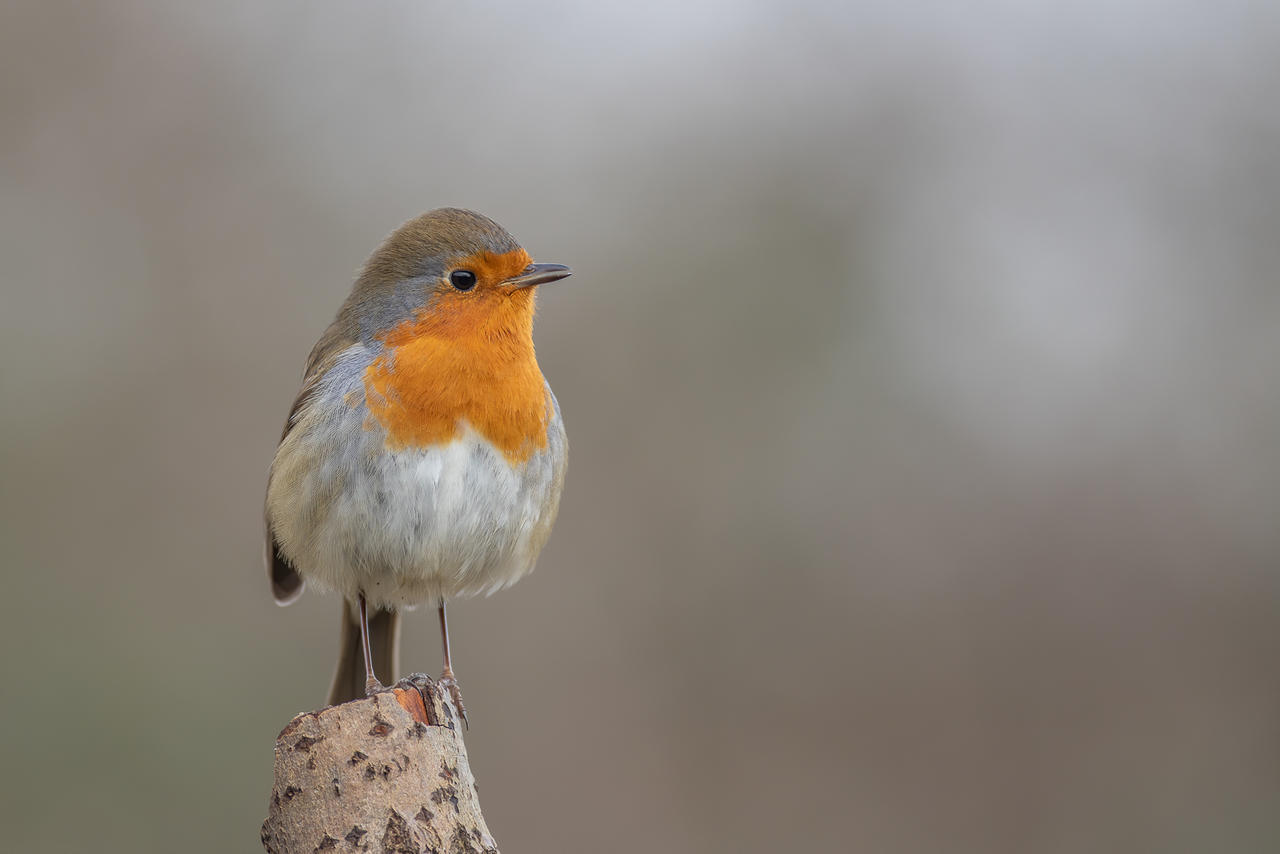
x: 921, y: 367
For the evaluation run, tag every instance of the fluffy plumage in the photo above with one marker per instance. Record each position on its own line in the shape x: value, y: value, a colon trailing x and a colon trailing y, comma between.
x: 424, y: 456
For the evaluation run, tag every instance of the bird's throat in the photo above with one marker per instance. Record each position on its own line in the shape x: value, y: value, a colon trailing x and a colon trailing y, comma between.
x: 468, y: 364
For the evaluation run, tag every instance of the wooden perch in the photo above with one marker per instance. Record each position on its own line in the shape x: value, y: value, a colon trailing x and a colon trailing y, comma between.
x: 386, y: 773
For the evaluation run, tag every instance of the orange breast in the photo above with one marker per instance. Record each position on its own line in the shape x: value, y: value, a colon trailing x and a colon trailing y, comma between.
x: 470, y: 360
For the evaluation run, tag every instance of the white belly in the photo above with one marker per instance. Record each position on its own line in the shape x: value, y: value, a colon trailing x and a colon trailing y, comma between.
x: 444, y: 522
x: 414, y: 526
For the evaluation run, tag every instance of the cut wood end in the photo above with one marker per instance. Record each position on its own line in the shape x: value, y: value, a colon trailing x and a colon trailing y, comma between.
x: 387, y: 772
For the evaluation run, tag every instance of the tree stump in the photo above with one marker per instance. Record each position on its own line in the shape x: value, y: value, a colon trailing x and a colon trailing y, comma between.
x: 388, y: 773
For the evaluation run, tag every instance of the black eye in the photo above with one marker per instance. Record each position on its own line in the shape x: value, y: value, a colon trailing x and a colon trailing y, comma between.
x: 463, y: 280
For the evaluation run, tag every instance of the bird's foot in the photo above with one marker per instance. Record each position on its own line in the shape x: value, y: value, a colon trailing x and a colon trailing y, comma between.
x: 373, y: 686
x: 448, y: 681
x: 419, y: 681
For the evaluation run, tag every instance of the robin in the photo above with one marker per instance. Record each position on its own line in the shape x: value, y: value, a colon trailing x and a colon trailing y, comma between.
x: 424, y: 456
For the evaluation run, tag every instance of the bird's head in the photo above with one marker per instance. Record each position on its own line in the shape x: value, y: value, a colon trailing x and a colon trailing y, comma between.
x: 449, y: 273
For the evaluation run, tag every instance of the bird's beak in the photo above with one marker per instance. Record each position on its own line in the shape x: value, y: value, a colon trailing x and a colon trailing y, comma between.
x: 538, y: 274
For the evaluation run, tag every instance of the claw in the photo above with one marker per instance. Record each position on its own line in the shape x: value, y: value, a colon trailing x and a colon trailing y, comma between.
x: 447, y: 680
x: 420, y: 681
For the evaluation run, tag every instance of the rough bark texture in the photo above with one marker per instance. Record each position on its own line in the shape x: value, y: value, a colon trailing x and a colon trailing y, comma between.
x: 388, y: 774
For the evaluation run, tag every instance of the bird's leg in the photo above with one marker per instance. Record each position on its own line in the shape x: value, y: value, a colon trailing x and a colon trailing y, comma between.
x: 371, y: 683
x: 447, y: 679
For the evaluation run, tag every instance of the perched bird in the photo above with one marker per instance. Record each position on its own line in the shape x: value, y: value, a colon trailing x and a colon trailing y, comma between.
x: 423, y: 459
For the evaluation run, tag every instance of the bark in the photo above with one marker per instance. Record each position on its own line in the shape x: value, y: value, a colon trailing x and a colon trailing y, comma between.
x: 388, y: 773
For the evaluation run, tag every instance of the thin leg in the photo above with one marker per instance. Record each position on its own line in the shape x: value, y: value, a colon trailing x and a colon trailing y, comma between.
x: 444, y: 637
x: 447, y: 679
x: 371, y: 683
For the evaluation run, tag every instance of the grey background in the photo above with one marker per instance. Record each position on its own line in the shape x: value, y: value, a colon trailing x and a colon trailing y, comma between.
x: 921, y: 372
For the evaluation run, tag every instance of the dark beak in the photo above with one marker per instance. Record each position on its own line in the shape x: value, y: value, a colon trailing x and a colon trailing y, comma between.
x: 539, y: 274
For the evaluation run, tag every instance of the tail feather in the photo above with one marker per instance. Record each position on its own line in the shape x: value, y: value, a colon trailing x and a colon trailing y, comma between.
x: 384, y: 638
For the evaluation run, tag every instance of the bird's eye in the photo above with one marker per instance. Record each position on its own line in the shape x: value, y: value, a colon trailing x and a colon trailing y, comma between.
x: 463, y: 280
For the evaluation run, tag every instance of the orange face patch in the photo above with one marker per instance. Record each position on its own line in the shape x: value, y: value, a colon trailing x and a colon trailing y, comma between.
x: 495, y: 267
x: 468, y: 359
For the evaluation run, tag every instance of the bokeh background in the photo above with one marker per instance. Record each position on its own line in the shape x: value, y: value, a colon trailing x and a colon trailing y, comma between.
x: 921, y: 368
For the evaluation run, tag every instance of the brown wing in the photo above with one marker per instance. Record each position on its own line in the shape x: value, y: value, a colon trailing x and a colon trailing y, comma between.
x: 286, y: 583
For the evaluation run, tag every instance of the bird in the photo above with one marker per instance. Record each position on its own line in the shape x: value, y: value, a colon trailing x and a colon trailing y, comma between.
x: 424, y: 456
